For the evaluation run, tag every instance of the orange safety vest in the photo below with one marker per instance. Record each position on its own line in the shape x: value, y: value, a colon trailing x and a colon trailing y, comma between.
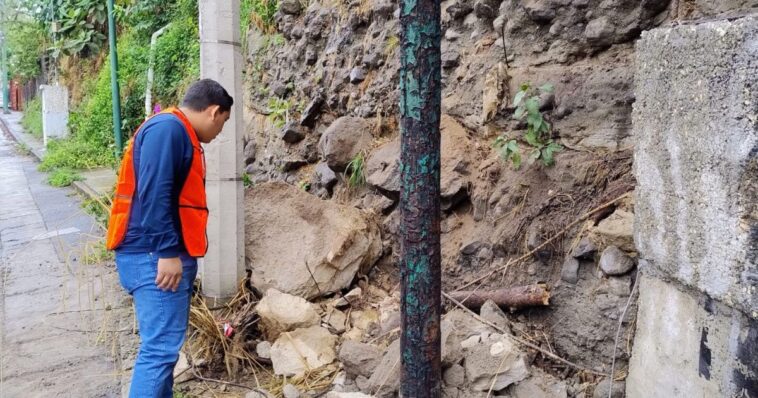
x: 193, y: 209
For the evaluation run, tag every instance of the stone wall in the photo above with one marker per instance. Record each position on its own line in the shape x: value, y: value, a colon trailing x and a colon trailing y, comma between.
x: 696, y: 218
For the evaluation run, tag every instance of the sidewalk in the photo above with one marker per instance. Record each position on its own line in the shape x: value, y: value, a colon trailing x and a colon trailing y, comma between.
x: 96, y: 182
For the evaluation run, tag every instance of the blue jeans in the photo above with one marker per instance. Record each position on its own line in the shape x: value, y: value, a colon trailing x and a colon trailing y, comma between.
x: 162, y: 318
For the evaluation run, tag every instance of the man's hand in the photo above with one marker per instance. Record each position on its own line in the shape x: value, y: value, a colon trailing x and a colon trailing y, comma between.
x: 169, y: 273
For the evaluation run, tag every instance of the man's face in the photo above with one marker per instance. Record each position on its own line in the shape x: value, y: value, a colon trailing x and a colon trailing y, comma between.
x: 213, y: 123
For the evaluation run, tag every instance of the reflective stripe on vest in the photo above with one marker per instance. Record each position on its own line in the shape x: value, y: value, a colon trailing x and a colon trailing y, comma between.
x: 193, y: 209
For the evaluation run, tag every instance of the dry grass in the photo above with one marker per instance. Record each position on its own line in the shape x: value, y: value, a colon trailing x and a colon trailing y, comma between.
x: 207, y: 344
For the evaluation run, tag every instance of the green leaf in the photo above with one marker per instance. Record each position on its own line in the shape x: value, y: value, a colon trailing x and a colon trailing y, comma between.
x: 516, y: 159
x: 513, y: 146
x: 547, y: 88
x: 518, y: 98
x: 534, y: 155
x: 533, y: 105
x: 525, y: 86
x: 520, y: 112
x: 548, y: 152
x: 531, y: 138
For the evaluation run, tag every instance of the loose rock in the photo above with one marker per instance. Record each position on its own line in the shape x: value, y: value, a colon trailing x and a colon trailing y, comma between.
x: 291, y: 7
x: 291, y: 134
x: 334, y: 394
x: 383, y: 168
x: 500, y: 360
x: 387, y: 373
x: 584, y: 250
x: 249, y: 152
x: 281, y: 312
x: 616, y: 230
x: 615, y: 262
x: 290, y: 391
x: 454, y: 376
x: 296, y: 352
x: 345, y: 138
x: 601, y: 390
x: 263, y: 349
x: 302, y: 245
x: 359, y: 358
x: 570, y: 270
x: 490, y: 312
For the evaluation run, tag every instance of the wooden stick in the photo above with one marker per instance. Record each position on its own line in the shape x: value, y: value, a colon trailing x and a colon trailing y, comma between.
x: 523, y: 342
x: 512, y: 297
x: 547, y: 242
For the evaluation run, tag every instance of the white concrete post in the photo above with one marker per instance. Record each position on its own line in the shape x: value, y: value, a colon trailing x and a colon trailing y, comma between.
x: 54, y: 112
x: 221, y: 60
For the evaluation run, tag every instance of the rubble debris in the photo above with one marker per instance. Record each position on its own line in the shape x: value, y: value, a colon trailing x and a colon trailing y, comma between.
x: 495, y: 364
x: 299, y: 351
x: 359, y: 358
x: 281, y: 312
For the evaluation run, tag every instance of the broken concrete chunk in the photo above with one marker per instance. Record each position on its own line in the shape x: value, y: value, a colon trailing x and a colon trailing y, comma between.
x: 296, y: 352
x: 302, y: 245
x: 456, y: 326
x: 540, y: 385
x: 281, y: 312
x: 615, y: 262
x: 383, y: 168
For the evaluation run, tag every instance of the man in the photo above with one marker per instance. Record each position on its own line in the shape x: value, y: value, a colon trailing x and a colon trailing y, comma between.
x: 157, y: 227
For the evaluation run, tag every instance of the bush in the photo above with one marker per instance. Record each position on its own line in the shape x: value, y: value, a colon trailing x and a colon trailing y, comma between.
x: 63, y: 177
x: 32, y: 119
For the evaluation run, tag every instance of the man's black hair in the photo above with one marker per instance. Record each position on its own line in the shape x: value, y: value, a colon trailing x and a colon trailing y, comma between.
x: 207, y: 92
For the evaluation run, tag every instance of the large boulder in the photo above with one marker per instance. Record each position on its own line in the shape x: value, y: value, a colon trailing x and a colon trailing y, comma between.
x: 296, y: 352
x: 281, y: 312
x: 345, y: 138
x: 301, y: 245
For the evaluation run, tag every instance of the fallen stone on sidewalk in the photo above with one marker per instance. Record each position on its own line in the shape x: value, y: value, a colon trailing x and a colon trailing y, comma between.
x: 281, y: 312
x: 305, y: 246
x: 296, y: 352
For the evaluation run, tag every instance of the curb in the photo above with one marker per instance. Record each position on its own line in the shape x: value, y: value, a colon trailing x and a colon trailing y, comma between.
x: 79, y: 186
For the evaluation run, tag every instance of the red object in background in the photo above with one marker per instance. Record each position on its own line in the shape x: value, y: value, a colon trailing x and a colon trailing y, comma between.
x: 16, y: 96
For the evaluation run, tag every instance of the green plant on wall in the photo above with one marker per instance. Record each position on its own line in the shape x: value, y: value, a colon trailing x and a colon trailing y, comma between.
x: 278, y: 111
x: 538, y: 134
x: 260, y: 13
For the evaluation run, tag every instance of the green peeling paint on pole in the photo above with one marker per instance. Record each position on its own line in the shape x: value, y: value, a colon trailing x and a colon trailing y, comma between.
x: 114, y: 81
x: 420, y: 98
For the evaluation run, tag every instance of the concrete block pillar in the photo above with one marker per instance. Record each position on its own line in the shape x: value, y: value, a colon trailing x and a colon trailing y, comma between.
x: 221, y: 60
x: 54, y: 112
x: 696, y: 228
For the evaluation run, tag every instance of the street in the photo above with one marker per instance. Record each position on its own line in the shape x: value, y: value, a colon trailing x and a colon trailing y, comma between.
x: 61, y: 305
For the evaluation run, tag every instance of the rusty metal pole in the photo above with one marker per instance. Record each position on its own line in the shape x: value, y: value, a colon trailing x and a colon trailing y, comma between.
x: 420, y: 99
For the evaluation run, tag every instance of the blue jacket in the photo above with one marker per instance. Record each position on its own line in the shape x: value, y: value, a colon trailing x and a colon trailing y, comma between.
x: 162, y: 159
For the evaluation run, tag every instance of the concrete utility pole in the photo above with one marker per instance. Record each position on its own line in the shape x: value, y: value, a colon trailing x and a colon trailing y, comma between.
x: 420, y: 98
x: 221, y: 60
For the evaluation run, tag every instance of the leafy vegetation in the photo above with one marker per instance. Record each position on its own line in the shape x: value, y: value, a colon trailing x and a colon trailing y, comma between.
x: 260, y: 13
x: 278, y: 111
x: 32, y: 119
x: 63, y: 177
x: 538, y: 134
x: 354, y: 171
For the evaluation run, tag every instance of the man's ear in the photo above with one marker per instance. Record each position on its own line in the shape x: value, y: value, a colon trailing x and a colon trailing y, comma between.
x: 215, y: 112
